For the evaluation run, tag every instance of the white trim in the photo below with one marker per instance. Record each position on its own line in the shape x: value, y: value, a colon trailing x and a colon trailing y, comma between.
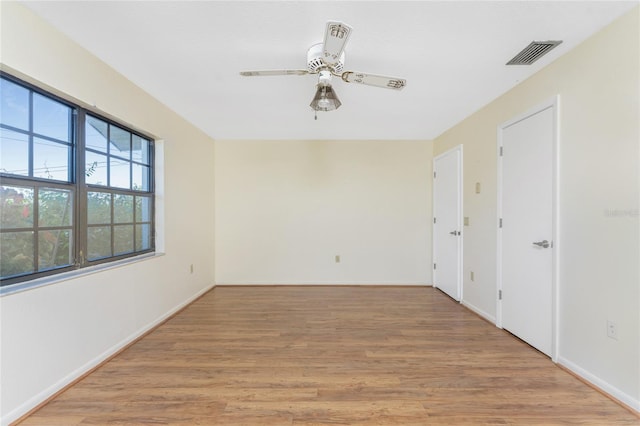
x: 479, y: 311
x: 554, y: 103
x: 460, y: 150
x: 159, y: 194
x: 601, y: 384
x: 499, y: 145
x: 76, y: 273
x: 555, y: 259
x: 461, y: 223
x: 47, y: 393
x: 323, y: 283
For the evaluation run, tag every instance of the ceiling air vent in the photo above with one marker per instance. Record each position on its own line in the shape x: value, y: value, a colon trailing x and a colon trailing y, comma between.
x: 534, y: 51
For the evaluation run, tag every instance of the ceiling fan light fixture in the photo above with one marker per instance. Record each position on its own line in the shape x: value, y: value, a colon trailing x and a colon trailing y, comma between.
x: 326, y: 60
x: 325, y: 99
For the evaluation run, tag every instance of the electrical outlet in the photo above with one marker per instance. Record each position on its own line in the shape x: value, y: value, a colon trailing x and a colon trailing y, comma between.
x: 472, y: 276
x: 337, y: 258
x: 466, y: 221
x: 612, y: 330
x: 191, y: 268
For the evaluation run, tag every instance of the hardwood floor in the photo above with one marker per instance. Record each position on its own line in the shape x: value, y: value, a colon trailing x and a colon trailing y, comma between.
x: 329, y: 355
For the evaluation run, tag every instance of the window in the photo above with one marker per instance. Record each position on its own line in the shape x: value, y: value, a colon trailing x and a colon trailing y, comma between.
x: 76, y: 189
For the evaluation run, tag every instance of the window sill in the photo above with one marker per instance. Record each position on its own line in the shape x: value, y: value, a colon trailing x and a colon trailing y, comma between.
x: 79, y: 273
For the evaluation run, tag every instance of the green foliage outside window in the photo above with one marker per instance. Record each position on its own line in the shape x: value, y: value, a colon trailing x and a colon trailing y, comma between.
x: 56, y: 213
x: 52, y: 231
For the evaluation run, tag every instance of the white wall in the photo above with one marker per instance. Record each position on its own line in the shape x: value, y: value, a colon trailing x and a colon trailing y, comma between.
x: 51, y: 335
x: 284, y: 209
x: 599, y: 244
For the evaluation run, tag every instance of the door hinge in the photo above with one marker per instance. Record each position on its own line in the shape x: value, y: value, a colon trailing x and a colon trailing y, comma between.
x: 434, y: 266
x: 500, y: 223
x: 499, y: 294
x: 434, y: 175
x: 434, y: 220
x: 501, y: 152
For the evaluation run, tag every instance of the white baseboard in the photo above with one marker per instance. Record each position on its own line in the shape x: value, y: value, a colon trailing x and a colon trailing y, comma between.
x: 483, y: 314
x: 626, y: 399
x: 327, y: 283
x: 47, y: 393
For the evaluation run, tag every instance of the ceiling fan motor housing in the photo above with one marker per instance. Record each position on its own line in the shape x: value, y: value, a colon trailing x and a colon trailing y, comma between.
x: 315, y: 62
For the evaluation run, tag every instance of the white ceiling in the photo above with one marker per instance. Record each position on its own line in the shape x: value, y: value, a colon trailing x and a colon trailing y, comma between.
x: 452, y: 54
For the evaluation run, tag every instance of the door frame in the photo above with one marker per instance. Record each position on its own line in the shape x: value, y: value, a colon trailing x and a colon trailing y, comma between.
x: 459, y: 254
x: 553, y: 103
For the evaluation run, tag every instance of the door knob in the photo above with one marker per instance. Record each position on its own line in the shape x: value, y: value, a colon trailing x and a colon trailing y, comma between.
x: 543, y: 244
x: 454, y: 233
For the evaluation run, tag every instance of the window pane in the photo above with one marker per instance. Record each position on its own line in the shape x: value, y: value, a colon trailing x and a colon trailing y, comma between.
x: 98, y: 242
x: 143, y: 209
x: 123, y: 239
x: 96, y: 134
x: 14, y: 149
x: 143, y: 237
x: 96, y: 169
x: 119, y: 173
x: 55, y: 207
x: 98, y: 208
x: 16, y: 253
x: 50, y: 160
x: 122, y: 208
x: 38, y: 146
x: 55, y: 249
x: 51, y: 118
x: 140, y: 149
x: 14, y: 105
x: 140, y: 178
x: 16, y: 210
x: 120, y: 143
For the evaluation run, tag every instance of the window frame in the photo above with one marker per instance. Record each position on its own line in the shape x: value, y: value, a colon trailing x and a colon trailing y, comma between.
x: 80, y: 189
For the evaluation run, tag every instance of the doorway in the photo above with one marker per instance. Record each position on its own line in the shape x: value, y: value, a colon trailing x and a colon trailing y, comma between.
x: 527, y: 162
x: 447, y: 222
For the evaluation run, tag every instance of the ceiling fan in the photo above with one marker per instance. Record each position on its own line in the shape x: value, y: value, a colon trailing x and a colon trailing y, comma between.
x: 327, y: 60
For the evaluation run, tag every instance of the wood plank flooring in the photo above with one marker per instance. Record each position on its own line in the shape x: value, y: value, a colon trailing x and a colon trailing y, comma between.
x: 307, y: 355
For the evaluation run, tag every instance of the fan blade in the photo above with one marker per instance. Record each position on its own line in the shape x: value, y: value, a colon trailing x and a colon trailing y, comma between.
x: 273, y: 72
x: 335, y: 39
x: 374, y: 80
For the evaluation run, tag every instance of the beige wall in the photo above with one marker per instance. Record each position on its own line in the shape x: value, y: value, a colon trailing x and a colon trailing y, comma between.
x: 52, y: 334
x: 598, y: 241
x: 285, y: 209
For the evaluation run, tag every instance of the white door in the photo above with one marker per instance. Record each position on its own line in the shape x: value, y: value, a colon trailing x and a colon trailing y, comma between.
x: 447, y: 223
x: 528, y: 158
